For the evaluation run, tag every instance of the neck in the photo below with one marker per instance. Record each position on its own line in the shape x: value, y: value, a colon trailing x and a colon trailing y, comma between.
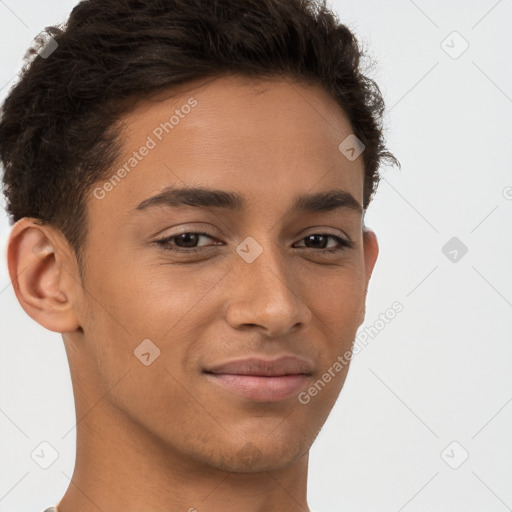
x: 119, y: 467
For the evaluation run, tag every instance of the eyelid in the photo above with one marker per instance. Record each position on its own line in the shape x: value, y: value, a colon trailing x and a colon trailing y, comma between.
x: 202, y: 228
x: 319, y: 230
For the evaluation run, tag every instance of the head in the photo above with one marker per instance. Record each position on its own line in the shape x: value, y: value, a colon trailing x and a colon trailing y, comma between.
x: 151, y: 120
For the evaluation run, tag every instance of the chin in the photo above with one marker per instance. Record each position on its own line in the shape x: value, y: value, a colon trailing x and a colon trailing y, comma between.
x: 261, y: 454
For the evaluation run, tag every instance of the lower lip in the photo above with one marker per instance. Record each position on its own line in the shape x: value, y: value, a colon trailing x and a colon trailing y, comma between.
x: 260, y: 388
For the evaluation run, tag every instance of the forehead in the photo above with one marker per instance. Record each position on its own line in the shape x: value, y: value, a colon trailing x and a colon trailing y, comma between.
x: 265, y: 137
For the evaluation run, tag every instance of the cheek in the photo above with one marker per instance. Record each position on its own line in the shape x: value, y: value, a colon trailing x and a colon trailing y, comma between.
x: 338, y: 307
x: 338, y: 297
x: 131, y: 304
x: 339, y: 300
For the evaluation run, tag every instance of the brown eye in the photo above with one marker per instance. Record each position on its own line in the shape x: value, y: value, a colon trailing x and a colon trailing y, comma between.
x: 187, y: 242
x: 319, y: 241
x: 184, y: 242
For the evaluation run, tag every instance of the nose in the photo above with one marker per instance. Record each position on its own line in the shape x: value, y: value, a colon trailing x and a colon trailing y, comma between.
x: 266, y: 294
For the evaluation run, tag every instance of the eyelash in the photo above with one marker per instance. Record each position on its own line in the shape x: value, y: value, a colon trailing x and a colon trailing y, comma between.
x: 164, y: 243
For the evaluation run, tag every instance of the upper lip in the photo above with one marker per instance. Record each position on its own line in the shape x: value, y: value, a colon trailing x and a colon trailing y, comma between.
x: 283, y: 365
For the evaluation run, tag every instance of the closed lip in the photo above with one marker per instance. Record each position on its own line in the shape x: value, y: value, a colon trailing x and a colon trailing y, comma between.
x: 257, y: 366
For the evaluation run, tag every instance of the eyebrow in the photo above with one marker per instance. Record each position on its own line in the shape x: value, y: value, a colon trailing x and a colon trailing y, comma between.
x: 200, y: 197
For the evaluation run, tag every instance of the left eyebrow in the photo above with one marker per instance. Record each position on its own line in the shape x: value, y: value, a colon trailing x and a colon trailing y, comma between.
x: 200, y: 197
x: 326, y: 201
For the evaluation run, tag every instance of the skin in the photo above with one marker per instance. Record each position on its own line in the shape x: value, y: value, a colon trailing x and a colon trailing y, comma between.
x: 162, y: 437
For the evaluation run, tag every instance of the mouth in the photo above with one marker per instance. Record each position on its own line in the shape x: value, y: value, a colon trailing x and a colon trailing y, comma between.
x: 262, y: 380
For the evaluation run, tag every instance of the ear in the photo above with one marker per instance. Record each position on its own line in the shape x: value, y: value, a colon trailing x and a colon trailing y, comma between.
x: 43, y: 275
x: 371, y: 251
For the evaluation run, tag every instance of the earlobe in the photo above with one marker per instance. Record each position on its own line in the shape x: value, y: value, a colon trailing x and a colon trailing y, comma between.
x: 38, y: 276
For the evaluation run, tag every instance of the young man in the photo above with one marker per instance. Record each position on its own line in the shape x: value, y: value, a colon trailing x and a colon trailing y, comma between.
x: 188, y: 181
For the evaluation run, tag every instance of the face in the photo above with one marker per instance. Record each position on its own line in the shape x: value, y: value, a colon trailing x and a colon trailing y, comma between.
x: 182, y: 287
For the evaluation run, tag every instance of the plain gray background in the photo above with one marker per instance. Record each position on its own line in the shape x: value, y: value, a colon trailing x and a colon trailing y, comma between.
x: 434, y: 385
